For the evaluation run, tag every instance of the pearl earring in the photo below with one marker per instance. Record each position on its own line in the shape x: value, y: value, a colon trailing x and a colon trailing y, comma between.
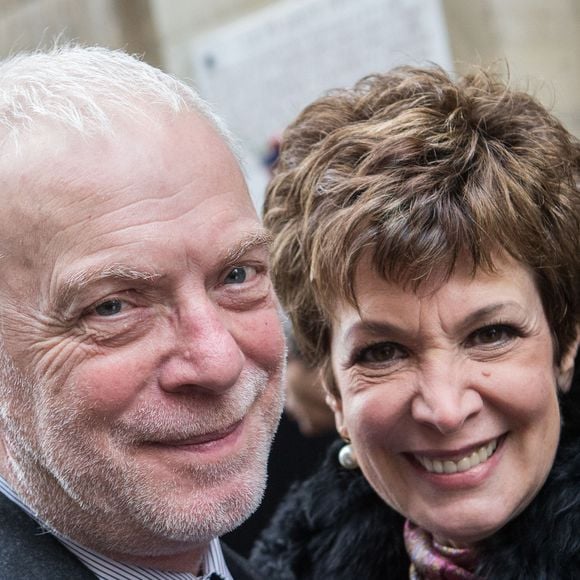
x: 347, y: 458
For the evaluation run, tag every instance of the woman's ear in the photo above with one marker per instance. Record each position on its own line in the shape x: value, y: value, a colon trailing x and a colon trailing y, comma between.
x: 333, y: 400
x: 335, y: 403
x: 565, y: 370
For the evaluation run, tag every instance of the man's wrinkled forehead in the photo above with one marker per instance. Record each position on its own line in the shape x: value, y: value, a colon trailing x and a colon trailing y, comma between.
x: 60, y: 180
x: 29, y: 195
x: 41, y: 175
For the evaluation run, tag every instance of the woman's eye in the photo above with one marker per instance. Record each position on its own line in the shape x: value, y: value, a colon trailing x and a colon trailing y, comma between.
x: 383, y: 352
x: 492, y: 335
x: 239, y: 275
x: 109, y: 307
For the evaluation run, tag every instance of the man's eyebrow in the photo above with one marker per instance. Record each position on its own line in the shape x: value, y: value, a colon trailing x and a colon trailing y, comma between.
x: 252, y: 241
x: 77, y: 282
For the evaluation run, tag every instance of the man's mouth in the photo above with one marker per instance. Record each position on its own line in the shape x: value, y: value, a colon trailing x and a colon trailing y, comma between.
x: 457, y: 465
x: 202, y: 439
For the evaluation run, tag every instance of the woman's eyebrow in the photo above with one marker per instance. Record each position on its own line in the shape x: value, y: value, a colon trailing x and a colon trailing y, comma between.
x: 382, y: 327
x: 489, y: 311
x: 372, y: 327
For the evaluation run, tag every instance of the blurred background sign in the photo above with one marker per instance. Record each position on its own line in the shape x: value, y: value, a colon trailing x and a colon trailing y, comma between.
x: 261, y: 70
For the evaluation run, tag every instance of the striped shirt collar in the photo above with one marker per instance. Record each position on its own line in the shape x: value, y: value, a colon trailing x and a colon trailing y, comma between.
x: 106, y: 569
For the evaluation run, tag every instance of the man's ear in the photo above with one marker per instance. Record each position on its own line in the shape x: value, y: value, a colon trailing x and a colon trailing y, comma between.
x: 565, y: 370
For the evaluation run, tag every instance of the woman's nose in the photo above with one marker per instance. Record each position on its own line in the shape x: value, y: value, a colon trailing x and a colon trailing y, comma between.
x: 206, y: 355
x: 446, y: 397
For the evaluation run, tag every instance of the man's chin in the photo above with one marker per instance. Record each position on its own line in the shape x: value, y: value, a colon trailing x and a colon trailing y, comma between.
x: 201, y: 515
x: 196, y: 501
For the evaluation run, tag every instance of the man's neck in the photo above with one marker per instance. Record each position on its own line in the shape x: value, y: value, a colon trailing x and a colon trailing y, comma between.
x: 186, y: 562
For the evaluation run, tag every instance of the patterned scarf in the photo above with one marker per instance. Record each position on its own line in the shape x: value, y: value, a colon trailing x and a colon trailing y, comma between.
x: 433, y: 561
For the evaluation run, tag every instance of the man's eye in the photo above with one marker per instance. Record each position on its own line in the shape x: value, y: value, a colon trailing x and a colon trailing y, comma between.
x: 383, y: 352
x: 495, y: 334
x: 239, y: 275
x: 109, y: 307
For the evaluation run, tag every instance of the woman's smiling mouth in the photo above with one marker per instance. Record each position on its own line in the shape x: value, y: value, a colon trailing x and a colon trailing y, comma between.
x: 469, y: 460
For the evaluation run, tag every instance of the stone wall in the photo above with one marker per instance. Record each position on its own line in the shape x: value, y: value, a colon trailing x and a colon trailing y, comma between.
x: 31, y: 24
x: 540, y: 40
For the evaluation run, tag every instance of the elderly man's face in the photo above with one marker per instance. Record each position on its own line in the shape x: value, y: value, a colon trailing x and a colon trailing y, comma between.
x: 142, y: 342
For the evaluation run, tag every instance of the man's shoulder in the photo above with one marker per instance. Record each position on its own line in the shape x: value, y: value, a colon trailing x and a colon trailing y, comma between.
x: 28, y: 551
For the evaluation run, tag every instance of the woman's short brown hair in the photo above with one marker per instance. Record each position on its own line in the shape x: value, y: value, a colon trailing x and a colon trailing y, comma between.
x: 418, y: 170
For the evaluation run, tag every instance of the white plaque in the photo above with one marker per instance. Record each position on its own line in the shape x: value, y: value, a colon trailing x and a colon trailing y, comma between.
x: 261, y: 70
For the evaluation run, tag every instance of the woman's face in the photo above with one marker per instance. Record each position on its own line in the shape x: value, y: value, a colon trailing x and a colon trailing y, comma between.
x: 450, y: 396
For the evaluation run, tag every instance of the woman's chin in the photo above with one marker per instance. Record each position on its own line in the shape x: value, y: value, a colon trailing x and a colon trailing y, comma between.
x: 463, y: 538
x: 461, y: 531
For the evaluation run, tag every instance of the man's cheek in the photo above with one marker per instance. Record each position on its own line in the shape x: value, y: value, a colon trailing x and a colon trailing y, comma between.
x: 262, y: 340
x: 110, y: 384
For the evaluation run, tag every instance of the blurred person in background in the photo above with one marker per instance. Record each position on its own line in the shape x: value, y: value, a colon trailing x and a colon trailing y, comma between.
x: 427, y: 250
x: 305, y: 433
x: 305, y: 395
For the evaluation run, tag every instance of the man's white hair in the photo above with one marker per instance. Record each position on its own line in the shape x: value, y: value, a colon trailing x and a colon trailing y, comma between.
x: 82, y: 89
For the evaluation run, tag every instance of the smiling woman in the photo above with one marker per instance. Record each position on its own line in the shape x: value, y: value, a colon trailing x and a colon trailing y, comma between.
x: 426, y: 246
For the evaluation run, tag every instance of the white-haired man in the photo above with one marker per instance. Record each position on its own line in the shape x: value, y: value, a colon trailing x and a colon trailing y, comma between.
x: 140, y: 346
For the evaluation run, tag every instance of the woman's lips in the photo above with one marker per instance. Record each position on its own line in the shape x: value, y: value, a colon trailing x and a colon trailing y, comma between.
x: 457, y: 462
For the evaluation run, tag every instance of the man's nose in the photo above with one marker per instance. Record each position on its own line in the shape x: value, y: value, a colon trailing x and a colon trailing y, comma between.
x: 447, y: 396
x: 206, y: 354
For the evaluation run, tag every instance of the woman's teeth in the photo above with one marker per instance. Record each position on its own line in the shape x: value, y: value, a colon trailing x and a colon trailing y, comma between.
x: 480, y: 455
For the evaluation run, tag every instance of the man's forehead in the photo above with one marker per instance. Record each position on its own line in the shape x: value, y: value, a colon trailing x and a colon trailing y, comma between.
x: 55, y: 167
x: 91, y: 185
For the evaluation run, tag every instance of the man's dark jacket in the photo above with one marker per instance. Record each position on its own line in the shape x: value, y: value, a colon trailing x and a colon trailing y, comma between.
x: 29, y: 553
x: 334, y: 527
